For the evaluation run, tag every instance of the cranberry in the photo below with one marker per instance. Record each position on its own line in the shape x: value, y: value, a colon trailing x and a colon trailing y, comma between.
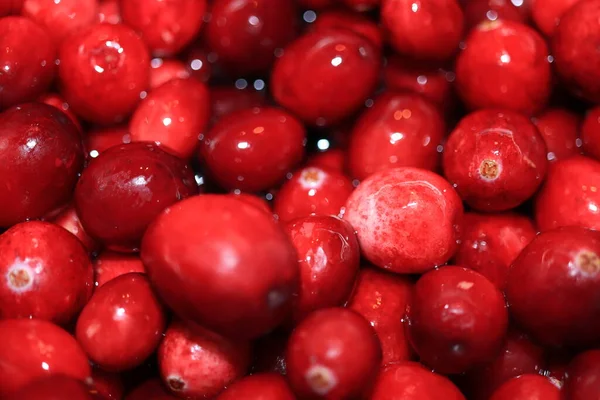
x: 491, y: 242
x: 527, y: 387
x: 428, y: 29
x: 348, y: 62
x: 381, y: 298
x: 173, y: 116
x: 40, y: 159
x: 69, y: 220
x: 410, y: 381
x: 34, y: 348
x: 355, y: 22
x: 106, y: 385
x: 552, y: 287
x: 547, y: 13
x: 254, y: 200
x: 583, y: 376
x: 226, y: 100
x: 331, y: 160
x: 55, y: 100
x: 317, y: 4
x: 109, y: 266
x: 223, y: 263
x: 495, y: 159
x: 246, y: 34
x: 590, y: 133
x: 109, y: 11
x: 362, y: 5
x: 477, y: 11
x: 100, y: 140
x: 197, y: 363
x: 406, y: 219
x: 103, y: 70
x: 570, y: 196
x: 560, y: 130
x: 13, y: 7
x: 122, y: 324
x: 54, y: 387
x: 263, y: 143
x: 198, y: 65
x: 166, y: 26
x: 259, y: 387
x: 165, y: 70
x: 152, y: 389
x: 334, y: 353
x: 456, y: 319
x: 400, y: 130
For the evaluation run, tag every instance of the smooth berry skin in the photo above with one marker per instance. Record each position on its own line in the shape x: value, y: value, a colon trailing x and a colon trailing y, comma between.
x: 197, y: 363
x: 399, y: 130
x: 166, y: 27
x: 102, y: 72
x: 496, y: 159
x: 122, y: 324
x: 331, y: 160
x: 173, y: 116
x: 353, y: 21
x: 226, y: 100
x: 583, y: 376
x: 13, y: 7
x: 406, y: 219
x: 109, y: 11
x: 106, y: 385
x: 253, y: 149
x: 456, y: 319
x: 590, y: 133
x: 560, y: 130
x: 380, y: 297
x: 69, y: 220
x: 329, y: 258
x: 570, y: 196
x: 552, y: 287
x: 333, y: 354
x: 504, y: 65
x: 361, y: 5
x: 48, y: 273
x: 97, y: 141
x: 39, y: 162
x: 254, y: 200
x: 430, y: 31
x: 546, y: 14
x: 259, y: 387
x: 55, y: 100
x: 491, y: 242
x: 351, y: 74
x: 152, y: 389
x: 62, y: 354
x: 477, y: 11
x: 236, y: 272
x: 198, y: 65
x: 527, y: 387
x: 54, y: 387
x: 110, y: 265
x: 165, y: 70
x: 27, y: 61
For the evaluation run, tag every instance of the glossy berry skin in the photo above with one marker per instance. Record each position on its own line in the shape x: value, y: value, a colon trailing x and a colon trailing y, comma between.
x: 570, y: 196
x: 456, y: 319
x: 125, y: 188
x: 431, y: 30
x: 353, y: 21
x: 259, y: 387
x: 411, y: 381
x: 165, y: 70
x: 477, y: 11
x: 406, y: 219
x: 491, y: 242
x: 197, y: 363
x: 54, y: 387
x: 152, y: 389
x: 329, y: 257
x: 560, y: 130
x: 361, y: 5
x: 399, y: 130
x: 102, y: 72
x: 552, y: 287
x: 109, y: 265
x: 229, y: 99
x: 236, y: 272
x: 333, y: 354
x: 253, y: 149
x: 332, y: 160
x: 380, y: 297
x: 504, y: 65
x: 48, y: 273
x: 39, y: 162
x: 166, y: 27
x: 198, y: 65
x: 348, y: 62
x: 173, y: 116
x: 245, y: 34
x: 122, y: 324
x: 109, y: 11
x: 546, y: 14
x: 590, y: 133
x: 495, y: 159
x: 55, y: 100
x: 97, y: 141
x: 62, y: 355
x: 254, y: 200
x: 312, y: 190
x: 69, y: 220
x: 583, y: 376
x: 106, y: 385
x: 527, y: 387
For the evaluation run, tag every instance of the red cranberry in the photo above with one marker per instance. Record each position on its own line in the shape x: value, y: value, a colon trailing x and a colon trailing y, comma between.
x: 106, y: 385
x: 109, y: 266
x: 590, y: 133
x: 100, y: 140
x: 259, y: 387
x: 197, y: 363
x: 560, y: 130
x: 491, y: 242
x: 173, y: 116
x: 226, y: 100
x: 317, y: 4
x: 334, y: 353
x: 253, y: 149
x: 570, y: 196
x: 39, y: 161
x: 456, y: 319
x: 198, y: 65
x: 477, y: 11
x: 223, y: 263
x: 331, y: 160
x: 504, y: 65
x: 13, y: 7
x: 152, y: 389
x: 583, y: 377
x: 165, y: 70
x: 406, y: 219
x: 552, y: 287
x: 381, y: 298
x: 246, y: 34
x: 362, y: 5
x: 27, y: 61
x: 166, y: 26
x: 495, y: 159
x: 103, y: 70
x: 527, y: 387
x: 555, y: 368
x: 254, y: 200
x: 347, y: 62
x: 53, y: 387
x: 547, y: 13
x: 400, y: 130
x: 410, y: 381
x: 55, y: 100
x: 428, y: 29
x: 109, y: 11
x: 34, y: 348
x: 69, y: 220
x: 122, y: 324
x: 355, y: 22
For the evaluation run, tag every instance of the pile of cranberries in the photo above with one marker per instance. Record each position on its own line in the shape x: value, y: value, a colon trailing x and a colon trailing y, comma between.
x: 300, y: 199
